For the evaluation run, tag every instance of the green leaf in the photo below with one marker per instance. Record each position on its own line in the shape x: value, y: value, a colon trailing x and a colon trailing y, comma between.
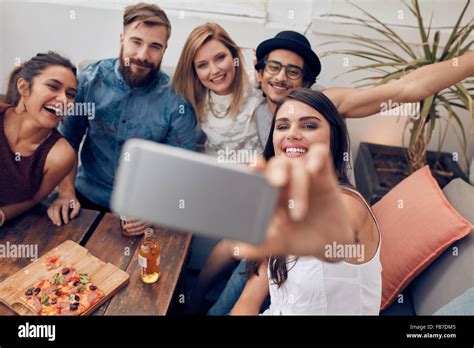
x: 464, y: 96
x: 389, y: 34
x: 370, y: 41
x: 435, y: 44
x: 362, y: 54
x: 452, y: 37
x: 395, y: 37
x: 412, y: 9
x: 459, y: 105
x: 456, y: 50
x: 44, y: 299
x: 367, y: 43
x: 395, y: 75
x: 452, y: 113
x: 432, y: 121
x: 421, y: 28
x: 57, y: 279
x: 419, y: 124
x: 466, y: 48
x: 84, y: 279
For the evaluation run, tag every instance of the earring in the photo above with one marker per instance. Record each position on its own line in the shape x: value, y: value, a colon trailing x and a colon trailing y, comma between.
x: 20, y: 108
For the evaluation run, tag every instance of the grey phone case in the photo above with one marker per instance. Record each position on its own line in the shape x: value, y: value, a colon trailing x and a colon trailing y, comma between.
x: 192, y: 192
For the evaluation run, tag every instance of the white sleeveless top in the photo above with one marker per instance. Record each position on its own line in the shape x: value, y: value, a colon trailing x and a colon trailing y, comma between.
x: 231, y: 133
x: 315, y: 287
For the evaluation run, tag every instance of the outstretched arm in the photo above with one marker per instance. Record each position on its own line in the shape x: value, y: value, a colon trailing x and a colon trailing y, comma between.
x: 254, y: 293
x: 314, y: 220
x: 415, y: 86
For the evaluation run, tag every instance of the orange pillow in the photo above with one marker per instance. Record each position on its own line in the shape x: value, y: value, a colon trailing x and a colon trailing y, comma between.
x: 417, y: 224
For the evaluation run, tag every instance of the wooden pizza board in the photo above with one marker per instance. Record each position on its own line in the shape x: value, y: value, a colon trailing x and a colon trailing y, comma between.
x: 105, y: 276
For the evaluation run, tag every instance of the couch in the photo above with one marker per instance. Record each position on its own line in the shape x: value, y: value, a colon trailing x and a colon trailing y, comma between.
x: 449, y: 281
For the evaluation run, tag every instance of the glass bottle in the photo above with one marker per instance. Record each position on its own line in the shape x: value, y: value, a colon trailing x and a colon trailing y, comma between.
x: 149, y: 258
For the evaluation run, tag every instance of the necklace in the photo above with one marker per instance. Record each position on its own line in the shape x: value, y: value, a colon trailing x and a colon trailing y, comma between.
x: 215, y: 110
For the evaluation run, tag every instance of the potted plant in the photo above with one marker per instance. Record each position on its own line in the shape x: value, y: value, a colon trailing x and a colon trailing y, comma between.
x: 378, y: 167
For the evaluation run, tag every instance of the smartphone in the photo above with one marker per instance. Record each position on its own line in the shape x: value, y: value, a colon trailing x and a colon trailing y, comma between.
x: 192, y: 192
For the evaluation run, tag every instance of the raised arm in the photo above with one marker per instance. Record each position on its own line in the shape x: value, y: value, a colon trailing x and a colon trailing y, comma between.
x: 254, y: 293
x: 415, y: 86
x: 312, y: 212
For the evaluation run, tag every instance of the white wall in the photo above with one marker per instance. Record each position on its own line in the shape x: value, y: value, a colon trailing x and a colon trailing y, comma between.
x: 90, y: 30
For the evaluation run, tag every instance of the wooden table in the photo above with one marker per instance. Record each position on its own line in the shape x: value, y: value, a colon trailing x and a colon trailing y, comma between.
x: 35, y: 228
x: 138, y: 298
x: 103, y: 238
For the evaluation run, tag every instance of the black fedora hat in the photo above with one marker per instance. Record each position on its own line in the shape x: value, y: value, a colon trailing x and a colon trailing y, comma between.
x: 292, y: 41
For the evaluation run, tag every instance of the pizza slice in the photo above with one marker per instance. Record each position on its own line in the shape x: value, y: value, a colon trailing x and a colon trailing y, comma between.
x: 52, y: 262
x: 65, y: 293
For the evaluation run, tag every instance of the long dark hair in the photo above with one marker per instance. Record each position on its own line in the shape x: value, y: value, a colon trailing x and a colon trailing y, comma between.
x: 339, y: 146
x: 30, y: 69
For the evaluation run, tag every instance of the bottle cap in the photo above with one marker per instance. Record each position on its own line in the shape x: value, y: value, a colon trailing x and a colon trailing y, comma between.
x: 149, y: 232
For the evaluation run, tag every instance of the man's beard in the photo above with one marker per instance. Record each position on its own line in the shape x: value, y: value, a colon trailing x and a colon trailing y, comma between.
x: 134, y: 79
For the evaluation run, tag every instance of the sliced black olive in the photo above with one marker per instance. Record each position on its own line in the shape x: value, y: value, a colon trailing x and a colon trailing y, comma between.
x: 54, y: 301
x: 29, y: 292
x: 65, y: 271
x: 76, y: 297
x: 92, y: 287
x: 37, y: 291
x: 74, y: 306
x: 58, y: 293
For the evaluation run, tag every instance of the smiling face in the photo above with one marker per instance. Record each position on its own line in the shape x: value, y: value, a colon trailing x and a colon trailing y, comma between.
x: 141, y: 51
x: 278, y: 86
x: 49, y: 93
x: 214, y: 66
x: 297, y: 127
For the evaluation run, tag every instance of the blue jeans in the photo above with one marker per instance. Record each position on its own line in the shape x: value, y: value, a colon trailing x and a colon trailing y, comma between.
x: 232, y: 292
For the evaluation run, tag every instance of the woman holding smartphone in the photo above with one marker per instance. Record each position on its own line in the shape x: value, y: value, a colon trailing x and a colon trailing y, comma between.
x: 305, y: 154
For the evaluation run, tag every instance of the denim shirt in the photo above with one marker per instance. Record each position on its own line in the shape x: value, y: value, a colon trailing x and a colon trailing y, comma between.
x: 153, y: 112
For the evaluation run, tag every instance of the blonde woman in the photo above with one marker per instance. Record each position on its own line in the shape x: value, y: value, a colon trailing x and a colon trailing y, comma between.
x: 211, y: 76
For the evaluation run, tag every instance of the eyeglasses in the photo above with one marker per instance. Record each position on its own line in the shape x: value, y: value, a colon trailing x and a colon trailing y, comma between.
x: 293, y: 72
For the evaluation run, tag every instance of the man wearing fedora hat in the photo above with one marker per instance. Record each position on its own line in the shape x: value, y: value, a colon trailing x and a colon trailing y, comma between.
x: 284, y: 63
x: 287, y: 61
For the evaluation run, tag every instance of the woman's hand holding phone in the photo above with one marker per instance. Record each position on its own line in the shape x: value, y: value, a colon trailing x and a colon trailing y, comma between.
x: 310, y: 213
